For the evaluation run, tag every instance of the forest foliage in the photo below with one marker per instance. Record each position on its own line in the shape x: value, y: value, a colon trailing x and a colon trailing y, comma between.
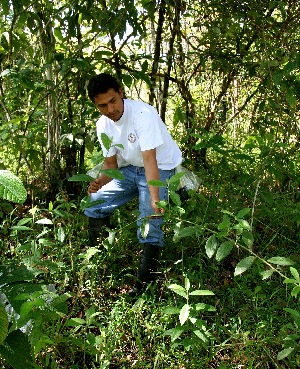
x: 224, y: 76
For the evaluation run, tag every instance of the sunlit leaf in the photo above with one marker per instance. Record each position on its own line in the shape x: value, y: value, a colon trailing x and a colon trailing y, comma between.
x: 178, y: 289
x: 201, y: 293
x: 279, y: 260
x: 106, y: 141
x: 211, y: 246
x: 248, y: 239
x: 244, y: 265
x: 81, y: 178
x: 267, y: 274
x: 184, y: 313
x: 284, y: 353
x: 243, y: 212
x: 175, y: 333
x: 11, y: 187
x: 114, y: 173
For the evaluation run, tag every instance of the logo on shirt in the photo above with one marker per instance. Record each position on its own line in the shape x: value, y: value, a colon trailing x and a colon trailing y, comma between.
x: 131, y: 138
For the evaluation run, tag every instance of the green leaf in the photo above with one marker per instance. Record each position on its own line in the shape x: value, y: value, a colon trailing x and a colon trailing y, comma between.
x: 224, y: 250
x: 295, y: 291
x: 189, y: 231
x: 184, y: 313
x: 81, y: 178
x: 61, y: 234
x: 175, y: 333
x: 295, y: 274
x: 284, y: 353
x: 74, y: 322
x: 244, y: 265
x: 201, y: 293
x: 3, y: 324
x: 11, y: 187
x: 248, y: 239
x: 200, y: 335
x: 267, y: 273
x: 175, y: 198
x: 114, y: 173
x: 243, y: 212
x: 279, y: 260
x: 171, y: 310
x: 20, y: 228
x: 44, y: 221
x: 211, y: 246
x: 16, y: 351
x: 106, y: 141
x: 145, y: 226
x: 204, y: 307
x: 157, y: 183
x: 178, y: 289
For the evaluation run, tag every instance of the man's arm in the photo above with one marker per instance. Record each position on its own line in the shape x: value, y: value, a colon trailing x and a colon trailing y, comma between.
x: 152, y: 173
x: 109, y: 163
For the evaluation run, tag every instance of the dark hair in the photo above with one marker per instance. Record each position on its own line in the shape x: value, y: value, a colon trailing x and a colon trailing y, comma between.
x: 100, y: 84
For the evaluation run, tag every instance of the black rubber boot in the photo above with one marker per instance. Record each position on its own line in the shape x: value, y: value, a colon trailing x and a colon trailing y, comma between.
x: 97, y: 230
x: 147, y: 271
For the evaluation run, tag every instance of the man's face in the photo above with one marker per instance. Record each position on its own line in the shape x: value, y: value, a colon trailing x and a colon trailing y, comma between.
x: 110, y: 104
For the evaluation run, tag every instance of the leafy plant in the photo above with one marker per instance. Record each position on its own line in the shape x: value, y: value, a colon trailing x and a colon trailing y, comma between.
x: 189, y: 317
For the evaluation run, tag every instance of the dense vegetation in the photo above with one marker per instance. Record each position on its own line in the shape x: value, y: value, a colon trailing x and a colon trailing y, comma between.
x: 224, y: 76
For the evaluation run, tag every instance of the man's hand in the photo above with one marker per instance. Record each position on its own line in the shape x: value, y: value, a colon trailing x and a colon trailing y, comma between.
x: 94, y: 186
x: 156, y: 209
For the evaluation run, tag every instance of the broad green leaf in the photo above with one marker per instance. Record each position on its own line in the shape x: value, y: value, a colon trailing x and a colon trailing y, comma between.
x: 267, y: 273
x: 16, y: 351
x: 175, y: 333
x: 178, y: 289
x: 114, y: 173
x: 244, y: 265
x: 189, y: 231
x: 279, y: 260
x: 200, y: 335
x: 295, y: 273
x: 176, y: 177
x: 248, y: 239
x: 284, y: 353
x: 242, y: 223
x: 157, y: 183
x: 243, y: 212
x: 175, y: 198
x: 171, y: 310
x: 44, y: 221
x: 61, y: 234
x: 201, y: 293
x: 81, y: 178
x: 3, y: 324
x: 20, y: 228
x: 91, y: 251
x: 106, y: 141
x: 74, y: 322
x: 224, y: 250
x: 295, y: 291
x: 211, y: 246
x: 11, y: 187
x: 184, y: 313
x: 145, y: 226
x: 205, y: 307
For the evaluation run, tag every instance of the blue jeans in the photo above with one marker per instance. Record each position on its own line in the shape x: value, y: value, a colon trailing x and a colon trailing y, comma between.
x: 118, y: 192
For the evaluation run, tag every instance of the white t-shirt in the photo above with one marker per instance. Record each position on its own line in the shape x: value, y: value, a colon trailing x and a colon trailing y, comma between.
x: 140, y: 128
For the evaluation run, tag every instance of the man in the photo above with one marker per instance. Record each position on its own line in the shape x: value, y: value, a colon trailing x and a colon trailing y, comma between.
x: 143, y: 150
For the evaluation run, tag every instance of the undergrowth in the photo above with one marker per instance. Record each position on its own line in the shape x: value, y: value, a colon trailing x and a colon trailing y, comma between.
x: 226, y: 295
